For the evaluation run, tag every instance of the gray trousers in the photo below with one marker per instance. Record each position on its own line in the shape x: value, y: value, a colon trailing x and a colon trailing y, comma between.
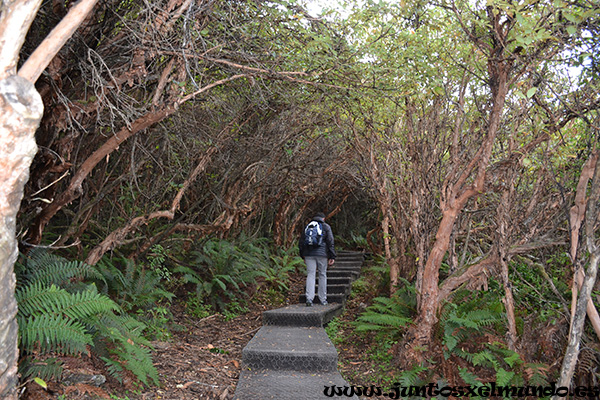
x: 312, y: 263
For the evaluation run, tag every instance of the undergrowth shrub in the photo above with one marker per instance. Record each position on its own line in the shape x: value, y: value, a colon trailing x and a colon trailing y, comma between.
x: 276, y: 273
x: 139, y: 291
x: 221, y: 271
x: 132, y: 286
x: 474, y: 315
x: 389, y: 315
x: 61, y: 312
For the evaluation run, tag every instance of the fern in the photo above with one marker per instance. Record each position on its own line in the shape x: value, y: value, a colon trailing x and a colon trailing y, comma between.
x: 485, y: 358
x: 138, y: 360
x: 503, y: 377
x: 377, y: 321
x: 221, y: 269
x: 479, y: 316
x: 468, y: 377
x: 135, y: 288
x: 537, y: 374
x: 38, y: 299
x: 50, y: 368
x: 388, y: 314
x: 128, y: 346
x: 410, y: 377
x: 459, y: 325
x: 53, y: 334
x: 48, y: 269
x: 57, y: 317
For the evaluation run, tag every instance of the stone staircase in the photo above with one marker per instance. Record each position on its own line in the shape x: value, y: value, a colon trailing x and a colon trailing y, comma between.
x: 291, y: 357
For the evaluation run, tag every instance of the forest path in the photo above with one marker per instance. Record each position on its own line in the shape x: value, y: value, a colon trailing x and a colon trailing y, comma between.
x: 291, y: 356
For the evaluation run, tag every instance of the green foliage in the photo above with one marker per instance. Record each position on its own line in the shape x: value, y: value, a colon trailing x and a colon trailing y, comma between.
x: 461, y: 322
x: 277, y: 272
x: 389, y: 314
x: 52, y: 334
x: 469, y: 377
x: 157, y: 320
x: 41, y: 300
x: 51, y: 269
x: 135, y: 287
x: 156, y: 260
x: 221, y: 269
x: 333, y: 331
x: 71, y: 319
x: 411, y: 377
x: 360, y: 286
x: 234, y: 309
x: 132, y: 348
x: 196, y: 308
x: 46, y: 369
x: 474, y: 316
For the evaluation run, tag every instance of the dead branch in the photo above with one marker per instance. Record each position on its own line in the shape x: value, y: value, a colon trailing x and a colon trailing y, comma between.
x: 45, y: 52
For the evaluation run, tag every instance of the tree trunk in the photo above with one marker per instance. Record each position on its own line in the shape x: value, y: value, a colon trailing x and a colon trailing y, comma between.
x: 21, y: 110
x: 430, y: 290
x: 589, y: 280
x: 419, y: 336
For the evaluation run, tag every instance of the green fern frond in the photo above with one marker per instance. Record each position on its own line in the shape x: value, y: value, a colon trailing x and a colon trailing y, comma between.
x: 48, y: 269
x: 188, y: 275
x: 48, y: 369
x: 366, y: 327
x: 503, y: 377
x: 131, y: 349
x: 114, y: 368
x: 138, y: 360
x: 484, y: 317
x: 37, y: 300
x: 485, y: 358
x: 468, y: 377
x: 410, y: 377
x: 53, y: 333
x: 538, y: 374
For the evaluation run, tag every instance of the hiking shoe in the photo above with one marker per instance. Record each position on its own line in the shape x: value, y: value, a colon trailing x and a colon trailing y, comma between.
x: 324, y: 303
x: 308, y: 304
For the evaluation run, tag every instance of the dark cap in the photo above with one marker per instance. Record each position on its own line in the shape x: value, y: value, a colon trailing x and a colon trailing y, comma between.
x: 319, y: 215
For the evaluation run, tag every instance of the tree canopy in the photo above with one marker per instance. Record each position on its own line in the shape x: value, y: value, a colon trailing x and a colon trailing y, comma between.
x: 456, y: 137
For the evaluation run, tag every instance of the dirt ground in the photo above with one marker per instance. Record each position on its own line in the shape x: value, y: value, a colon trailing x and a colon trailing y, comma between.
x: 202, y: 361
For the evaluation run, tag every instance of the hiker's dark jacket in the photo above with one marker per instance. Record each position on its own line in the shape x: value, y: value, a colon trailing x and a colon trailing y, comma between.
x: 325, y: 249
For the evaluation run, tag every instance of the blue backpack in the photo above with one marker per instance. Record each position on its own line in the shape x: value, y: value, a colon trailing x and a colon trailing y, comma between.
x: 313, y: 234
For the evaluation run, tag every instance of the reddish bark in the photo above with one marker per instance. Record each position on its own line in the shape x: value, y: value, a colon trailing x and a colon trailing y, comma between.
x: 456, y: 196
x: 74, y: 190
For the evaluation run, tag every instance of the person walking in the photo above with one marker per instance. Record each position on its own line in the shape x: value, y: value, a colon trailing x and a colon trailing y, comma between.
x: 318, y: 251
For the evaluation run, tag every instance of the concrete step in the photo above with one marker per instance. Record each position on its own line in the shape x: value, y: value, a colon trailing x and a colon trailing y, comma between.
x: 300, y: 315
x: 343, y: 289
x: 338, y: 280
x: 331, y: 298
x: 287, y: 385
x: 345, y: 268
x: 290, y: 348
x: 348, y: 263
x: 291, y: 356
x: 342, y: 274
x: 343, y: 255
